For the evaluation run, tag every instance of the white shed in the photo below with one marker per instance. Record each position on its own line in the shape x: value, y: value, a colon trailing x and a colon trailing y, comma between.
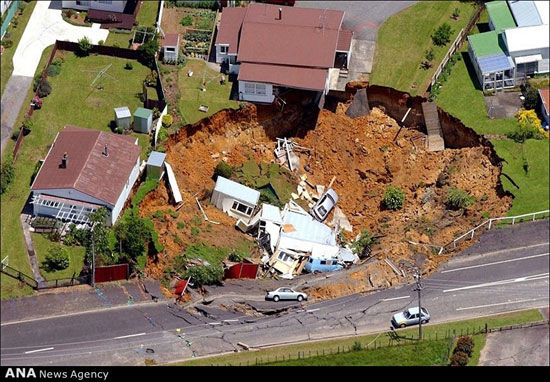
x: 123, y: 117
x: 234, y: 199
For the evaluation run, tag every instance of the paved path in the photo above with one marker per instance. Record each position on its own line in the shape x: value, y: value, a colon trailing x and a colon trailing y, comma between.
x: 45, y: 26
x: 33, y: 259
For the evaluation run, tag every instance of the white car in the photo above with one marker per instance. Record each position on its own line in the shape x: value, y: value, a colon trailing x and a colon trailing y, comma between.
x: 410, y: 317
x: 285, y: 293
x: 324, y: 205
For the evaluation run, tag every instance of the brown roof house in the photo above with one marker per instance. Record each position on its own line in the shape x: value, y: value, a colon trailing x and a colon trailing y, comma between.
x: 84, y: 170
x: 545, y: 105
x: 274, y: 48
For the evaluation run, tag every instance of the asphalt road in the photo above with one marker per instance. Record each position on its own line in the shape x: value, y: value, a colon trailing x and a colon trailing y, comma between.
x: 468, y: 286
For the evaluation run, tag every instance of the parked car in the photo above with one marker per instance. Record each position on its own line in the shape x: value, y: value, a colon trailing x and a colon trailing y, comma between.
x: 285, y: 293
x: 409, y: 317
x: 324, y: 205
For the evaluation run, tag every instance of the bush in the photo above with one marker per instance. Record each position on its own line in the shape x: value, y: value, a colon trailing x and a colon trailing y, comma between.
x: 457, y: 199
x: 7, y: 43
x: 84, y: 47
x: 151, y: 79
x: 128, y: 66
x: 529, y: 126
x: 53, y: 70
x: 44, y: 89
x: 465, y: 344
x: 156, y: 113
x: 187, y: 20
x: 57, y: 258
x: 393, y: 198
x: 167, y: 120
x: 459, y: 359
x: 8, y: 173
x: 531, y: 95
x: 205, y: 275
x: 442, y: 35
x: 223, y: 169
x: 456, y: 13
x: 27, y: 125
x: 147, y: 53
x: 163, y: 135
x: 15, y: 134
x: 357, y: 346
x: 362, y: 243
x: 101, y: 42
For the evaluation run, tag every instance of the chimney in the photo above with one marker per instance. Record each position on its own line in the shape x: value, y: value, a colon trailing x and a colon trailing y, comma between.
x: 280, y: 14
x: 64, y: 161
x: 106, y: 152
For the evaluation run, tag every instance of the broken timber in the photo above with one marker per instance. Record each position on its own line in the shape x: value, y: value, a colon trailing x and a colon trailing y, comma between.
x: 434, y: 140
x: 204, y: 213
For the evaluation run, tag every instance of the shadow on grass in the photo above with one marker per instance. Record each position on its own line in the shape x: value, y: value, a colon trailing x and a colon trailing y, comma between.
x: 471, y: 71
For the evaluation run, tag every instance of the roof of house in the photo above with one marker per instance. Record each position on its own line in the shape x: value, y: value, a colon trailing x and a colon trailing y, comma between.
x: 300, y: 37
x: 543, y: 8
x: 271, y: 213
x: 495, y: 63
x: 344, y: 40
x: 88, y: 169
x: 171, y: 39
x: 156, y: 159
x: 307, y: 229
x: 525, y: 13
x: 142, y: 112
x: 527, y: 38
x: 230, y: 25
x: 487, y: 44
x: 500, y: 15
x: 545, y: 97
x: 122, y: 112
x: 237, y: 190
x: 296, y: 77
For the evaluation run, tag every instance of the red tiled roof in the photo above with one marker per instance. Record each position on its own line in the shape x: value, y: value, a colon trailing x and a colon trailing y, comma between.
x: 545, y: 96
x: 230, y: 25
x: 344, y: 40
x: 300, y: 37
x: 170, y: 39
x: 291, y: 76
x: 88, y: 170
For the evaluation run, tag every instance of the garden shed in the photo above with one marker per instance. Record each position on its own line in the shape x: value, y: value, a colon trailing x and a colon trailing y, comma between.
x: 155, y: 165
x: 170, y: 47
x: 123, y: 117
x: 143, y: 120
x: 234, y: 199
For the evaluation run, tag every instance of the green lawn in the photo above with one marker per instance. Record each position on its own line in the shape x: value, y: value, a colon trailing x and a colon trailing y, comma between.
x: 216, y: 96
x: 404, y: 38
x: 147, y: 15
x: 76, y: 258
x: 72, y: 101
x: 534, y: 184
x: 119, y: 39
x: 6, y: 67
x: 429, y: 333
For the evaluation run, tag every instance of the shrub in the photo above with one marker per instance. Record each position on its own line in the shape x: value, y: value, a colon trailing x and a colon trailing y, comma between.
x: 84, y: 47
x: 364, y: 240
x: 223, y: 169
x: 163, y: 134
x: 529, y: 126
x: 167, y: 120
x: 393, y: 198
x: 357, y: 346
x: 429, y: 54
x: 57, y: 258
x: 44, y: 89
x: 465, y: 344
x: 15, y: 134
x: 7, y: 43
x: 151, y: 79
x: 442, y: 35
x: 459, y: 359
x: 181, y: 225
x: 457, y: 199
x: 27, y: 125
x: 53, y: 70
x: 187, y: 20
x: 205, y: 275
x: 236, y: 257
x: 128, y: 66
x: 156, y: 113
x: 456, y: 13
x: 101, y: 42
x: 147, y: 53
x: 8, y: 173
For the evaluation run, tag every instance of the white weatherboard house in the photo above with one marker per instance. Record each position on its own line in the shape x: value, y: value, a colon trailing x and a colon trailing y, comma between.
x: 101, y: 5
x: 85, y: 170
x: 234, y: 199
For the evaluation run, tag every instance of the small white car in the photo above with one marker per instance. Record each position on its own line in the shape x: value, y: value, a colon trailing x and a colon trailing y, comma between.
x: 410, y: 317
x: 324, y: 205
x: 285, y: 293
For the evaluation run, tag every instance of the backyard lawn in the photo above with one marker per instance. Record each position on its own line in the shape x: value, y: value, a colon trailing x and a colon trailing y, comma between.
x: 216, y: 96
x: 76, y: 258
x: 404, y: 38
x: 72, y: 101
x: 15, y: 33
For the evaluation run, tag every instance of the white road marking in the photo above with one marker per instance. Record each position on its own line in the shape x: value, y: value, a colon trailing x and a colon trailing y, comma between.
x: 230, y: 320
x: 130, y: 335
x: 394, y: 298
x: 214, y: 323
x: 502, y: 303
x: 496, y: 262
x: 313, y: 310
x: 36, y: 351
x: 502, y: 282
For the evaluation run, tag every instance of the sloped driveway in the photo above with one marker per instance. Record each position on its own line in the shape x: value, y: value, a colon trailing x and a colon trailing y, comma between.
x: 44, y: 27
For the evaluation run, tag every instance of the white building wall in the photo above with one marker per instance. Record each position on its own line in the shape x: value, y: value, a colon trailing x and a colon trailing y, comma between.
x: 268, y: 97
x: 225, y: 203
x: 125, y: 192
x: 114, y: 6
x: 71, y: 193
x: 4, y: 4
x: 221, y: 57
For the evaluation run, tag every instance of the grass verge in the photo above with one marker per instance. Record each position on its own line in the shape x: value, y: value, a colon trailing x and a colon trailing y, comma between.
x: 429, y: 332
x: 404, y: 38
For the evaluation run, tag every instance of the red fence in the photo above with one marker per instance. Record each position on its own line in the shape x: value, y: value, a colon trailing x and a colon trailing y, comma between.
x: 111, y: 273
x: 241, y: 271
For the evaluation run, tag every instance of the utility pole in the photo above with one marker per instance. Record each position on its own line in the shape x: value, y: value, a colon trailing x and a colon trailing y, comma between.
x: 417, y: 277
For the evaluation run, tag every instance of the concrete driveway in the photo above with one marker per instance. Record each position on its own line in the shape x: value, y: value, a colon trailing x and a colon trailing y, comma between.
x: 44, y: 27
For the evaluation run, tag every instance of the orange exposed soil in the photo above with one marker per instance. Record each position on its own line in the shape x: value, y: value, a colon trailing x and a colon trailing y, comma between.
x: 363, y: 157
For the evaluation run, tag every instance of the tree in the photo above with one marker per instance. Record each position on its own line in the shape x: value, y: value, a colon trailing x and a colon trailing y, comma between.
x: 44, y: 89
x: 147, y: 53
x: 84, y: 47
x: 57, y: 258
x: 531, y: 95
x: 8, y: 173
x: 98, y: 221
x: 133, y: 235
x: 442, y: 35
x: 529, y: 126
x: 358, y: 246
x: 393, y: 198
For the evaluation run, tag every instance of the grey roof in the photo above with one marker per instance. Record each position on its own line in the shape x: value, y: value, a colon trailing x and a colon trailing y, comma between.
x: 237, y: 191
x: 271, y: 213
x: 156, y: 159
x: 307, y: 228
x: 525, y: 13
x: 495, y: 63
x: 122, y: 112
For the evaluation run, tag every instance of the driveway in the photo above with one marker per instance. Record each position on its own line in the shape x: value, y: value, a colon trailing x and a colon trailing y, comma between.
x: 44, y: 27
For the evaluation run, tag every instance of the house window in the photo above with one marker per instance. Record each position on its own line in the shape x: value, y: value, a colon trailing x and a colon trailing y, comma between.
x: 249, y: 88
x: 260, y: 89
x: 242, y: 208
x: 285, y: 258
x: 105, y: 2
x: 323, y: 262
x: 170, y: 49
x: 224, y: 49
x: 83, y: 3
x: 254, y: 88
